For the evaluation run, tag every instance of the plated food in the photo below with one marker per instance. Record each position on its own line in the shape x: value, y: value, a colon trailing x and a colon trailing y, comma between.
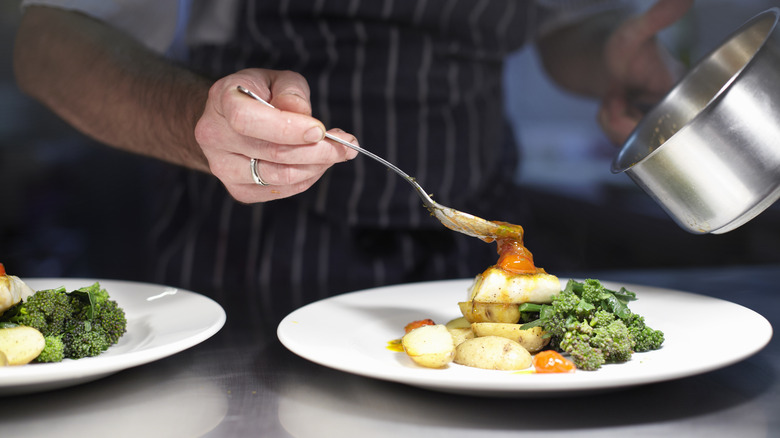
x: 161, y: 321
x: 515, y: 310
x: 50, y: 325
x: 12, y: 290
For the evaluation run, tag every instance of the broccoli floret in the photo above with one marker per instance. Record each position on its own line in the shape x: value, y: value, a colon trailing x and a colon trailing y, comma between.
x: 53, y: 351
x: 46, y: 310
x: 98, y: 294
x: 613, y: 341
x: 82, y: 339
x: 644, y: 338
x: 602, y: 318
x: 566, y: 310
x: 109, y: 319
x: 592, y: 291
x: 76, y: 324
x: 594, y: 325
x: 576, y: 343
x: 96, y: 325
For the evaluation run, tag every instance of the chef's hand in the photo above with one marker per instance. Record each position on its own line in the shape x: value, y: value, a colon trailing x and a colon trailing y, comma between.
x: 640, y: 70
x: 289, y: 144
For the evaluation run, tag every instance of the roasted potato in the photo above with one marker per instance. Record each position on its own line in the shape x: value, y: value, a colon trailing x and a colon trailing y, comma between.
x: 493, y: 353
x: 461, y: 334
x: 460, y: 329
x: 461, y: 322
x: 430, y: 346
x: 21, y: 344
x: 475, y: 311
x: 531, y: 339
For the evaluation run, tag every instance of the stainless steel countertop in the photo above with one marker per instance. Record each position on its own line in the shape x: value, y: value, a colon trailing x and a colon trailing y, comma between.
x: 246, y: 384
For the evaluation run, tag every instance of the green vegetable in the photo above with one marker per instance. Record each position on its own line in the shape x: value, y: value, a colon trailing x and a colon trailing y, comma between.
x: 75, y: 324
x: 46, y: 310
x: 53, y: 351
x: 593, y: 324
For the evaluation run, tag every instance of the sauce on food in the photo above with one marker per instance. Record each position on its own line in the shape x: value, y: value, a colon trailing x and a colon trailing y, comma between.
x: 514, y: 257
x: 395, y: 345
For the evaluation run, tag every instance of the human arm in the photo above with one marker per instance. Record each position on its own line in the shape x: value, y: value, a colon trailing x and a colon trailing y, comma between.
x: 618, y: 59
x: 117, y: 91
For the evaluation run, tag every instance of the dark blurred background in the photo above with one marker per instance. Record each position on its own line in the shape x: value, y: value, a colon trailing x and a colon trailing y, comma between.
x: 70, y: 207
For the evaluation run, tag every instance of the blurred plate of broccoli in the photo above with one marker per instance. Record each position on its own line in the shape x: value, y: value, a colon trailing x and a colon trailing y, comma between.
x: 94, y: 328
x: 75, y: 324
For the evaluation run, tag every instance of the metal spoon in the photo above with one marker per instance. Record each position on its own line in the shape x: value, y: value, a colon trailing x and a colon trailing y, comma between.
x: 453, y: 219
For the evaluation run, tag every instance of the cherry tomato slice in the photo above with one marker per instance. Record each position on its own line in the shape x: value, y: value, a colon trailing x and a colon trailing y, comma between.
x: 417, y: 324
x: 549, y: 361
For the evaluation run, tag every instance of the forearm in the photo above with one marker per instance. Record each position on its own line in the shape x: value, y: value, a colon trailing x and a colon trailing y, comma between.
x: 574, y: 56
x: 110, y: 87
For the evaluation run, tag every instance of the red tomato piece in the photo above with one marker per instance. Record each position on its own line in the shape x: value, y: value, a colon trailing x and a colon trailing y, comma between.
x: 417, y: 324
x: 549, y: 361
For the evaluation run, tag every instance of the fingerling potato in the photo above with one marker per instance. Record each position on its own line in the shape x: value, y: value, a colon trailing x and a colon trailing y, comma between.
x: 461, y: 322
x: 460, y: 335
x: 430, y: 346
x: 21, y: 344
x: 493, y: 353
x: 460, y: 329
x: 532, y: 339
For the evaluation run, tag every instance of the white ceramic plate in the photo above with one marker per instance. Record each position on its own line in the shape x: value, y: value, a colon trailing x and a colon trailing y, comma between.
x: 161, y: 321
x: 350, y: 333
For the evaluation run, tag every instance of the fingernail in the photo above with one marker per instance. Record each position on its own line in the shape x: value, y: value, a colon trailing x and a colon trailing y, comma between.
x: 314, y: 135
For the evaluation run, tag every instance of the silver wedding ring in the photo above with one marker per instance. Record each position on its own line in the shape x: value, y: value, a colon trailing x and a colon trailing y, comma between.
x: 255, y: 175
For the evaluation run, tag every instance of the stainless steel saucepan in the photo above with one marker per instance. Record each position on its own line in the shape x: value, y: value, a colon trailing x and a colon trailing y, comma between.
x: 709, y: 152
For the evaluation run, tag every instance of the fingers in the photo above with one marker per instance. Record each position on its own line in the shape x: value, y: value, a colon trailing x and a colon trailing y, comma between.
x: 640, y: 69
x: 254, y: 119
x: 636, y: 35
x: 617, y: 118
x: 661, y: 15
x: 279, y: 165
x: 321, y: 153
x: 250, y: 194
x: 288, y: 144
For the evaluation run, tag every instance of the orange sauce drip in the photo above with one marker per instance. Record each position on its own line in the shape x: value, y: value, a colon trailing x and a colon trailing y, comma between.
x: 514, y: 257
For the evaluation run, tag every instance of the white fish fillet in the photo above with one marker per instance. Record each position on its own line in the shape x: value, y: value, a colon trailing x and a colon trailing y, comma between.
x: 499, y: 286
x: 12, y: 290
